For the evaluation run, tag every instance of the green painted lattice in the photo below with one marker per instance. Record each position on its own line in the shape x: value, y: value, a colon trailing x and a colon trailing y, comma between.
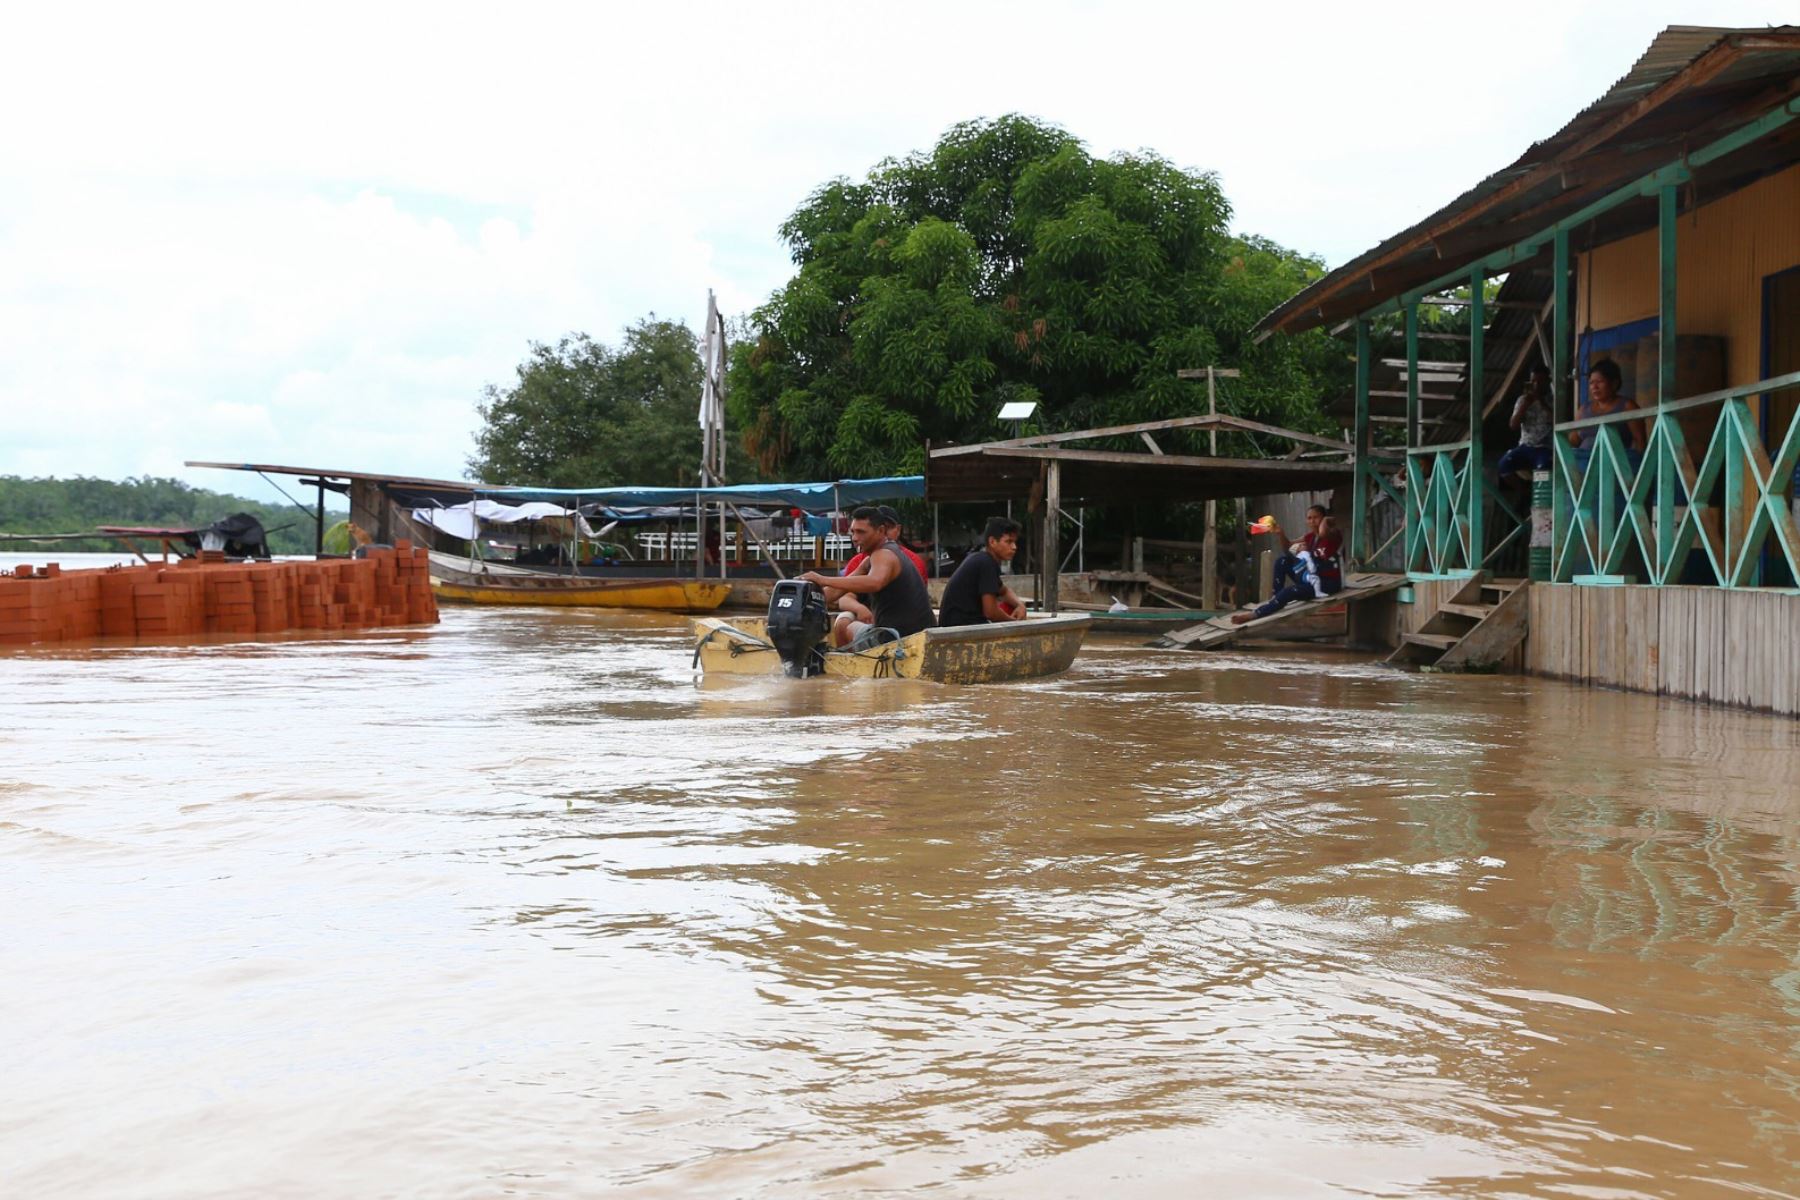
x: 1620, y: 517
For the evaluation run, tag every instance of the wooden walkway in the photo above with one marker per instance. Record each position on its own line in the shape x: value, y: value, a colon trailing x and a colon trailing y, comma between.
x: 1218, y: 631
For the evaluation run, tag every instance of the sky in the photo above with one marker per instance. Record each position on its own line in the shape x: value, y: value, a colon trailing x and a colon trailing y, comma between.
x: 311, y: 235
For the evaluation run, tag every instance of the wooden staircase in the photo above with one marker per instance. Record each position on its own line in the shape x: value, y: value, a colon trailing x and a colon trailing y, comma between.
x: 1477, y: 628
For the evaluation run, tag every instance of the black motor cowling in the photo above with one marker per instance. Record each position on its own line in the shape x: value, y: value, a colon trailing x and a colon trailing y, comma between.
x: 798, y: 623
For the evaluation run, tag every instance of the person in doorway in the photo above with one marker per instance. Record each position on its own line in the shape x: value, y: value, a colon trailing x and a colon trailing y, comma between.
x: 977, y: 592
x: 1322, y: 544
x: 1531, y: 416
x: 887, y: 583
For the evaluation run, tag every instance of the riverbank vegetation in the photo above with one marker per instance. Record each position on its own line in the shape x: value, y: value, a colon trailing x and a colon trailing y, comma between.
x: 584, y: 413
x: 1009, y: 263
x: 1005, y: 263
x: 79, y: 504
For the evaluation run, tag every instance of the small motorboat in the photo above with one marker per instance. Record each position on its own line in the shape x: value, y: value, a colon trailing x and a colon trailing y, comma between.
x: 794, y: 640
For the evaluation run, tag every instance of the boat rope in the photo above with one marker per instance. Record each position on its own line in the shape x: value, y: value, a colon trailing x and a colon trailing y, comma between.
x: 884, y: 645
x: 739, y: 642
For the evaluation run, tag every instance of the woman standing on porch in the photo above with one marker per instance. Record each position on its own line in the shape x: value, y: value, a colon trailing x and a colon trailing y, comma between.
x: 1604, y: 380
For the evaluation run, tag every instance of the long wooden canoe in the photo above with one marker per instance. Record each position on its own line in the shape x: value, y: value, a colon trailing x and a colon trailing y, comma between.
x: 666, y: 595
x: 1147, y: 621
x: 996, y: 653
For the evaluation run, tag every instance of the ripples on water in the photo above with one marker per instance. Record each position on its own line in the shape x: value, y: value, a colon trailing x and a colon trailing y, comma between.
x: 514, y: 906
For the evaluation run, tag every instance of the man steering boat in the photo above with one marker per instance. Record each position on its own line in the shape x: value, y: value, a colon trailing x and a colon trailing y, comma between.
x: 887, y: 582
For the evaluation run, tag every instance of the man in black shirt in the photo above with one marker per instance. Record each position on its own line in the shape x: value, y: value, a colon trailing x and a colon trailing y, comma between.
x: 888, y: 583
x: 976, y: 593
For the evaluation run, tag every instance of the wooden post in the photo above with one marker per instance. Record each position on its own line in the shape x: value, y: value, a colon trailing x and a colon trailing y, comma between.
x: 1242, y: 556
x: 1359, y: 496
x: 1475, y: 484
x: 318, y: 526
x: 936, y: 549
x: 1209, y: 542
x: 699, y: 536
x: 1412, y: 375
x: 384, y: 521
x: 1665, y: 381
x: 1049, y: 600
x: 1562, y: 406
x: 768, y: 550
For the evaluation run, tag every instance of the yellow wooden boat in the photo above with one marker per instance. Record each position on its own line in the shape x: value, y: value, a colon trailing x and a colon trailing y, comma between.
x: 665, y: 595
x: 996, y: 653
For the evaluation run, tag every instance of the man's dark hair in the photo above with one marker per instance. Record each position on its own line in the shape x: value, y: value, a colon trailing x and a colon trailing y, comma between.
x: 1538, y: 368
x: 867, y: 512
x: 1608, y: 370
x: 997, y: 528
x: 887, y: 516
x: 1318, y: 508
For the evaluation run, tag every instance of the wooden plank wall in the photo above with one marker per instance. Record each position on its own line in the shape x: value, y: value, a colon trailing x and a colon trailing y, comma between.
x: 1428, y: 596
x: 1724, y: 250
x: 1717, y: 645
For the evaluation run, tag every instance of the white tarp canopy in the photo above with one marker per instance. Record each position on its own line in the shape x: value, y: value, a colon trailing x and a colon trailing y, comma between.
x: 459, y: 521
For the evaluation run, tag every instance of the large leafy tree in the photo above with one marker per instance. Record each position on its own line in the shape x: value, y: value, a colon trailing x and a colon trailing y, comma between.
x: 582, y: 413
x: 1009, y: 263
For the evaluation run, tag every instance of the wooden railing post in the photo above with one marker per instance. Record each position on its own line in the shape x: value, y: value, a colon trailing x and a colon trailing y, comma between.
x: 1359, y: 503
x: 1474, y: 485
x: 1665, y: 387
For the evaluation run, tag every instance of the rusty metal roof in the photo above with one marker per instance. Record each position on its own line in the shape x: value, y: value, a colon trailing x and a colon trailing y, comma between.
x: 1692, y: 85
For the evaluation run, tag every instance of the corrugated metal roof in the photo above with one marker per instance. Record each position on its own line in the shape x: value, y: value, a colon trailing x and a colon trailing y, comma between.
x: 1723, y: 69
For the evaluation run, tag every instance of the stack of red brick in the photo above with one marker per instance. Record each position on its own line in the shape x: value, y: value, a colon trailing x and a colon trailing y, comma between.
x: 151, y: 603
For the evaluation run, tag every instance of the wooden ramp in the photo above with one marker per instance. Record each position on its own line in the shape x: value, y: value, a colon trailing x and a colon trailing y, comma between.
x: 1218, y: 631
x: 1477, y: 628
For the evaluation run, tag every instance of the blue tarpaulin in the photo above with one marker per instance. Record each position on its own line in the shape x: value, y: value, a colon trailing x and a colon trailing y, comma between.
x: 814, y: 497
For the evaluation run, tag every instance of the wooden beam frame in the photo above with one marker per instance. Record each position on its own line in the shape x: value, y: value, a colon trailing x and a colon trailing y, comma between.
x: 1221, y: 421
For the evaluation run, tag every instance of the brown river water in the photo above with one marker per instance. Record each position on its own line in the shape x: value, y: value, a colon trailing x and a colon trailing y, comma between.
x: 516, y: 906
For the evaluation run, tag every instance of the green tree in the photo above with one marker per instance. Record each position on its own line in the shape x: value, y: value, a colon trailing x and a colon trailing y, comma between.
x: 582, y: 413
x: 1008, y: 263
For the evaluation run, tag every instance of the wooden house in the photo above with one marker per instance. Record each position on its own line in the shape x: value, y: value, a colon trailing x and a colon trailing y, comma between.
x: 1660, y: 229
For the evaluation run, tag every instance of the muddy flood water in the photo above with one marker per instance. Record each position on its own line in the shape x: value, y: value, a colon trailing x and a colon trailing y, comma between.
x: 517, y: 907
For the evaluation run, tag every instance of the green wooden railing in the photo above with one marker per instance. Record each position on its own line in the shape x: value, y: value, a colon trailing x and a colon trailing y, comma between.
x: 1615, y: 515
x: 1620, y: 517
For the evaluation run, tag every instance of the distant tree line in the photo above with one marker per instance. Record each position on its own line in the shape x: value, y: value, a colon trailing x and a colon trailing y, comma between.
x: 75, y: 505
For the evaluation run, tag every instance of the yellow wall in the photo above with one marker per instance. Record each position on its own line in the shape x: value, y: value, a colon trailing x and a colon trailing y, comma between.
x: 1723, y: 251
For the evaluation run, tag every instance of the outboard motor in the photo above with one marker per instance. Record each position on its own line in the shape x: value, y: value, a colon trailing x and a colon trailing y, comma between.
x: 798, y: 623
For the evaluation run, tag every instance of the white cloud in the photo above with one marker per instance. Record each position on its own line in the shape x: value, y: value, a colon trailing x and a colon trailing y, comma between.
x: 312, y: 235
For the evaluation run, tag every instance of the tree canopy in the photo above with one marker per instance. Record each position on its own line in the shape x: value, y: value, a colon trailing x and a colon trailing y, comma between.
x: 583, y: 413
x: 1008, y: 263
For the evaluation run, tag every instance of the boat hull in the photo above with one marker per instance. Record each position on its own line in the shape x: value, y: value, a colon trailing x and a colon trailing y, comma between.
x: 664, y: 595
x: 997, y: 653
x: 1136, y: 621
